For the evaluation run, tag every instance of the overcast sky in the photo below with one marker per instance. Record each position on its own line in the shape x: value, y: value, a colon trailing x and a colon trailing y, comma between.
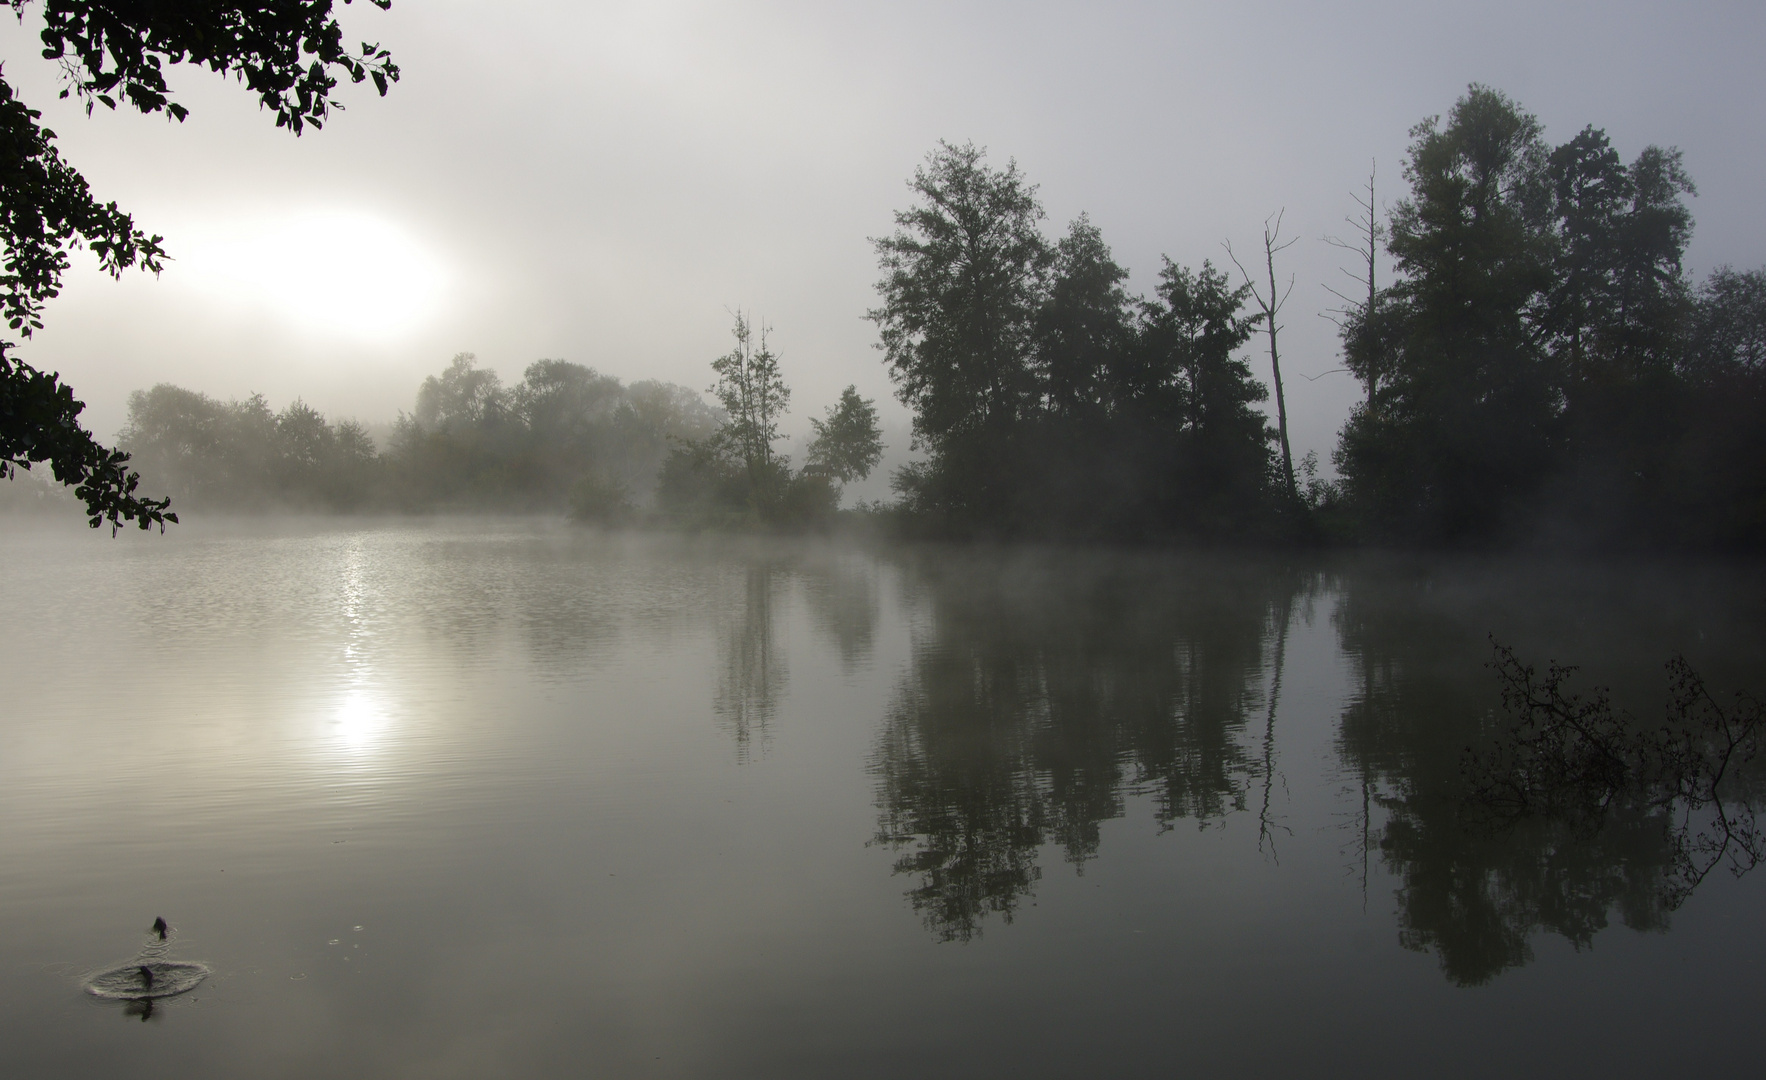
x: 605, y: 182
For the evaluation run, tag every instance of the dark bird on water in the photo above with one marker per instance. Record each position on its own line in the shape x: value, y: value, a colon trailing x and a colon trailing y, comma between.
x: 146, y: 977
x: 159, y: 927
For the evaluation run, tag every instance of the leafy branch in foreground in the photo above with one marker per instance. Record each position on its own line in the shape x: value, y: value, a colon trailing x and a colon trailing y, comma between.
x: 290, y: 53
x: 1575, y: 758
x: 287, y: 52
x: 48, y: 209
x: 39, y: 421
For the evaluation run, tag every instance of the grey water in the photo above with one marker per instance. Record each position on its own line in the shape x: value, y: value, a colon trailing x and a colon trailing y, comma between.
x: 507, y: 798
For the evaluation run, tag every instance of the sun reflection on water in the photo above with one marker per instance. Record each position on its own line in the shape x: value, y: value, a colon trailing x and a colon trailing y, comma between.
x: 360, y: 723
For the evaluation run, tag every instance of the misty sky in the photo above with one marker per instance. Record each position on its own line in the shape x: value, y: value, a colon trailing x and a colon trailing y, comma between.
x: 604, y: 182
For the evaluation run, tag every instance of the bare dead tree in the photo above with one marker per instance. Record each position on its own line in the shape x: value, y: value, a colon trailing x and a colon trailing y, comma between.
x: 1369, y: 233
x: 1270, y: 306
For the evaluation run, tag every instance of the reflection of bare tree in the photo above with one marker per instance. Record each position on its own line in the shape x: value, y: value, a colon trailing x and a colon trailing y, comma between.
x: 1358, y: 724
x: 753, y: 675
x: 1267, y: 826
x: 1042, y: 694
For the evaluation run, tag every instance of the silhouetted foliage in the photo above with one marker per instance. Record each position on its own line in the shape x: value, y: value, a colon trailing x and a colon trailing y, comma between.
x: 1542, y: 366
x: 1465, y: 425
x: 1046, y: 398
x: 754, y: 397
x: 288, y: 52
x: 39, y: 421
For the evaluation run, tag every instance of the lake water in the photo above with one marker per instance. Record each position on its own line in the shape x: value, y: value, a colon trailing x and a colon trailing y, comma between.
x: 488, y: 799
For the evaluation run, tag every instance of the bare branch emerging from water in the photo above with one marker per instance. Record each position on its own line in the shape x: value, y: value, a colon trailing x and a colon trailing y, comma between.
x: 1574, y: 758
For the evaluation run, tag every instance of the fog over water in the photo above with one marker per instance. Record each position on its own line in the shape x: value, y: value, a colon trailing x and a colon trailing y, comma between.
x: 602, y: 720
x: 505, y: 796
x: 600, y: 182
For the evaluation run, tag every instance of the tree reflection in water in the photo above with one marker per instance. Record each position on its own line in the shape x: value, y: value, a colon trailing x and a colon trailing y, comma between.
x: 1476, y: 886
x: 753, y: 672
x: 840, y: 591
x: 1041, y: 691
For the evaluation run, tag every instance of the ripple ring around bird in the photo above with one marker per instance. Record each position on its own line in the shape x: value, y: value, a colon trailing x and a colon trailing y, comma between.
x: 126, y: 983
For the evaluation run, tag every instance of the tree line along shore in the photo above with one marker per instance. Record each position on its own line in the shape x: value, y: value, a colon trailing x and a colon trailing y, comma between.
x: 1539, y: 367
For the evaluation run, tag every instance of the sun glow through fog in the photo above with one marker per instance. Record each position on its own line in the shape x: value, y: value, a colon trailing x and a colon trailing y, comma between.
x: 337, y: 272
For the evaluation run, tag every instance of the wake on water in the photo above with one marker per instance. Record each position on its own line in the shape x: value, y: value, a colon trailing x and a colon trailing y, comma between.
x: 150, y: 975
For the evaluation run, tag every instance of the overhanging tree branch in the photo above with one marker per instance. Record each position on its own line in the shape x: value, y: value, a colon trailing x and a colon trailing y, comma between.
x: 289, y: 52
x: 39, y: 421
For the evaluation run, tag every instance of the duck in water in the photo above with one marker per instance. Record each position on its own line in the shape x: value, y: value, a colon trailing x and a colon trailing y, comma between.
x: 146, y: 977
x: 159, y: 927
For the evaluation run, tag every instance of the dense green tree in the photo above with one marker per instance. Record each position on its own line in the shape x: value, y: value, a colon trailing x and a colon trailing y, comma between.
x: 1193, y: 400
x: 562, y: 403
x: 1590, y: 191
x: 290, y: 53
x: 464, y: 443
x: 181, y: 436
x: 1543, y: 367
x: 650, y: 419
x: 1729, y: 331
x: 1714, y: 485
x: 461, y: 397
x: 562, y: 437
x: 1068, y: 464
x: 1085, y: 326
x: 1614, y: 318
x: 754, y: 399
x: 1050, y: 401
x: 964, y: 279
x: 1617, y: 297
x: 1466, y: 424
x: 567, y: 412
x: 848, y: 443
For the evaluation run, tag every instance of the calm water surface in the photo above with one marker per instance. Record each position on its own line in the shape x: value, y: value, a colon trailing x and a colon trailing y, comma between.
x: 486, y: 799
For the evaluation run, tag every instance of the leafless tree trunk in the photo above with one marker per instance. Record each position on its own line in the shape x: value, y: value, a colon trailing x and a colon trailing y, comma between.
x: 1271, y: 305
x: 1369, y: 233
